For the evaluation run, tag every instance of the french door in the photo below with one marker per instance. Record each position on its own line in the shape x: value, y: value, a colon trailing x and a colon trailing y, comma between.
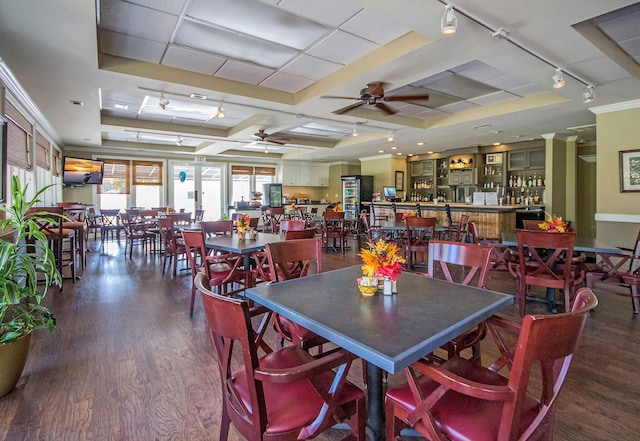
x: 198, y: 186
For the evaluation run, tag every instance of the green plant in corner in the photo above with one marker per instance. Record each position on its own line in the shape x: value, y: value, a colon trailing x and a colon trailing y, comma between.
x: 27, y: 267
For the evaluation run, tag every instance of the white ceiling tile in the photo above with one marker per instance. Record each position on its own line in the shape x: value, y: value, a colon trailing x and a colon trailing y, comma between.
x: 330, y: 12
x: 374, y: 27
x: 246, y: 16
x: 342, y: 47
x: 171, y: 6
x: 460, y: 106
x: 286, y: 82
x: 506, y: 82
x: 494, y: 98
x: 632, y: 46
x: 307, y: 66
x: 193, y: 60
x: 243, y: 72
x: 233, y: 45
x: 459, y: 86
x: 530, y: 89
x: 131, y: 19
x: 131, y: 47
x: 479, y: 71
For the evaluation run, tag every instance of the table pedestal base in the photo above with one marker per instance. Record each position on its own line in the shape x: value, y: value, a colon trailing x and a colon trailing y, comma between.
x: 375, y: 403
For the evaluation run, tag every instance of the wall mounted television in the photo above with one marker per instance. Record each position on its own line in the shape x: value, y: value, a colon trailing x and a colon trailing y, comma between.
x: 78, y: 171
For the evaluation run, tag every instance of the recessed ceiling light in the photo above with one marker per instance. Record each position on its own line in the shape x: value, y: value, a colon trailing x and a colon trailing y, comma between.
x: 430, y: 152
x: 496, y: 143
x: 198, y: 96
x: 409, y: 154
x: 495, y: 132
x: 380, y: 151
x: 399, y: 154
x: 121, y: 106
x: 394, y: 147
x: 421, y: 143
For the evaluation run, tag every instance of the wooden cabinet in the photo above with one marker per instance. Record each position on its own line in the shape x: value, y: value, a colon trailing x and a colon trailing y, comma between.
x: 526, y: 159
x: 462, y: 177
x: 304, y: 175
x: 422, y: 182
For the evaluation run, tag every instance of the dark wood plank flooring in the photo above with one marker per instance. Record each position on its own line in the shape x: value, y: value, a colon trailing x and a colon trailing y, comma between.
x: 128, y: 363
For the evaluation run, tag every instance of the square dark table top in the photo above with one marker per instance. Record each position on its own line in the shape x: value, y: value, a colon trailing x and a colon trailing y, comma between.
x: 233, y: 244
x: 389, y: 331
x: 583, y: 244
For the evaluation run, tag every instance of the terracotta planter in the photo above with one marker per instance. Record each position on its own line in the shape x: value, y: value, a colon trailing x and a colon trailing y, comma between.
x: 13, y: 357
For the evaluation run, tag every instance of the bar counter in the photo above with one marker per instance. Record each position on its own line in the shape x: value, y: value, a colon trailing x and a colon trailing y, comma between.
x: 492, y: 220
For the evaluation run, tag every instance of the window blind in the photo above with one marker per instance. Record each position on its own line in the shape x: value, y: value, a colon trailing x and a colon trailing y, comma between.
x: 115, y: 179
x: 147, y: 173
x: 43, y: 148
x: 19, y: 131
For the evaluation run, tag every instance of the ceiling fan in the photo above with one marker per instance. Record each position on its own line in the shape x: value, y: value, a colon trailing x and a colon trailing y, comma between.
x: 373, y: 95
x: 265, y: 137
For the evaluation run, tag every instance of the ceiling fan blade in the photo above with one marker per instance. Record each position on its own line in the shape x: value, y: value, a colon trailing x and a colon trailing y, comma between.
x: 348, y: 108
x: 276, y: 141
x: 386, y: 109
x: 406, y: 97
x: 340, y: 97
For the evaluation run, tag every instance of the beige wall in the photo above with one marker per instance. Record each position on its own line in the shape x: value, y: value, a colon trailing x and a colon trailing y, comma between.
x: 335, y: 183
x: 616, y: 130
x: 586, y: 192
x: 383, y: 171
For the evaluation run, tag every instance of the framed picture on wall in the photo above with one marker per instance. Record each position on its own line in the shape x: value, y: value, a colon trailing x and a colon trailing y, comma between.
x: 400, y: 180
x: 629, y: 170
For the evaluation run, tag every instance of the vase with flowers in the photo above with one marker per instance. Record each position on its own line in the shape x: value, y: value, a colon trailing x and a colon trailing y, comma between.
x: 555, y: 224
x: 382, y: 261
x: 242, y: 226
x: 408, y: 213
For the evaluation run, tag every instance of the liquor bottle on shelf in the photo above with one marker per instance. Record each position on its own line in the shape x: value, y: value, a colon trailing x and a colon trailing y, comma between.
x: 530, y: 181
x: 519, y: 181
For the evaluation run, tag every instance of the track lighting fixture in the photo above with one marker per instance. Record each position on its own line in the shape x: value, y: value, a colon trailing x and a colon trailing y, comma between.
x: 449, y: 23
x: 355, y: 131
x: 558, y: 79
x: 179, y: 141
x: 266, y: 150
x: 163, y: 102
x: 589, y: 94
x: 138, y: 137
x: 220, y: 112
x: 390, y: 136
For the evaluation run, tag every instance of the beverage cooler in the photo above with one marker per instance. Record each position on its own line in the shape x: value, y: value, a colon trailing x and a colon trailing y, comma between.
x: 355, y: 190
x: 272, y: 195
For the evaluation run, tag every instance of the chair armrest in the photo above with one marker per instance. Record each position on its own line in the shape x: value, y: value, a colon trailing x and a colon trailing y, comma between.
x: 462, y: 385
x: 322, y: 363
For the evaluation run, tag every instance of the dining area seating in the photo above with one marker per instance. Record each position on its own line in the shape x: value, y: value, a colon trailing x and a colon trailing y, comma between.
x: 463, y: 400
x: 334, y: 231
x: 544, y: 260
x: 419, y: 231
x: 282, y: 395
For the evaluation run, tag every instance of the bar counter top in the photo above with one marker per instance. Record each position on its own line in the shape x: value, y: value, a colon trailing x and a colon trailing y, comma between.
x: 455, y: 206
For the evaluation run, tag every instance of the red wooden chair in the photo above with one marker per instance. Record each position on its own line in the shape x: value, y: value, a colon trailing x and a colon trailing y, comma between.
x: 285, y: 395
x: 500, y: 254
x: 333, y: 228
x: 174, y: 246
x: 292, y: 224
x: 307, y: 233
x: 419, y: 232
x: 620, y: 269
x: 292, y: 259
x: 540, y: 262
x: 222, y: 271
x: 216, y: 228
x: 462, y: 400
x: 462, y: 263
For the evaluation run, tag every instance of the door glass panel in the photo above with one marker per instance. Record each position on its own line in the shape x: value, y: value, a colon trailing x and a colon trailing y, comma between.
x: 198, y: 187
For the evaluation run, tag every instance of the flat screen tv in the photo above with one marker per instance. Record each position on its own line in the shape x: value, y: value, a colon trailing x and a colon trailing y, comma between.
x: 389, y: 192
x: 78, y: 171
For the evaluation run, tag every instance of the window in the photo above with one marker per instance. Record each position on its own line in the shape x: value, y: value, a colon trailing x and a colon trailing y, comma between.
x: 19, y: 131
x: 116, y: 187
x: 147, y: 181
x: 245, y: 179
x: 43, y: 148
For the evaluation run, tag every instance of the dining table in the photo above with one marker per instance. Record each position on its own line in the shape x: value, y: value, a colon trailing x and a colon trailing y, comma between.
x: 388, y: 331
x: 233, y: 244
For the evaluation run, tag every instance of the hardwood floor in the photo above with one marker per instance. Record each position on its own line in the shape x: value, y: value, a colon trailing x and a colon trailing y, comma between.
x: 128, y: 363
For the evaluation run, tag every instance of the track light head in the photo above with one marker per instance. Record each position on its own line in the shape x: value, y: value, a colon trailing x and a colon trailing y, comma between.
x: 390, y: 137
x: 220, y: 112
x: 558, y: 79
x: 179, y: 141
x: 355, y: 131
x: 449, y: 22
x: 589, y: 95
x: 163, y: 102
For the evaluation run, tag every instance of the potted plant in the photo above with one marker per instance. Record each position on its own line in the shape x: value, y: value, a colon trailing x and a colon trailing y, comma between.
x: 27, y: 269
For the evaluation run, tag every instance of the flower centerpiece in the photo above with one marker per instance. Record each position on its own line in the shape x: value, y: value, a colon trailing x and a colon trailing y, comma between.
x: 292, y: 207
x: 381, y: 259
x: 242, y: 225
x: 170, y: 210
x: 338, y: 207
x: 554, y: 225
x: 408, y: 213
